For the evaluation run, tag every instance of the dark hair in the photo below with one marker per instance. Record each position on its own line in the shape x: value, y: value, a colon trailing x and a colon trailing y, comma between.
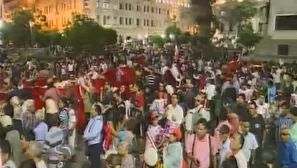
x: 253, y: 103
x: 5, y: 147
x: 65, y: 101
x: 242, y: 95
x: 28, y: 164
x: 285, y: 105
x: 231, y: 162
x: 98, y: 109
x: 202, y: 121
x: 224, y: 129
x: 223, y: 115
x: 293, y: 111
x: 28, y: 136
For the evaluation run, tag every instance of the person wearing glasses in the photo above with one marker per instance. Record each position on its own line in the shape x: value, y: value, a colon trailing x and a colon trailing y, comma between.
x: 287, y: 150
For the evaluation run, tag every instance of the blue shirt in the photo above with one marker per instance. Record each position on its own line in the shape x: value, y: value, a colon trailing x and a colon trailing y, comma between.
x: 93, y: 130
x: 40, y: 132
x: 288, y: 154
x: 174, y: 156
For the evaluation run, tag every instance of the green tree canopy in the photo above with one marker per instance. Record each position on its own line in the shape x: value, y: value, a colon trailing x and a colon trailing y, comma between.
x: 18, y: 31
x: 172, y: 30
x: 84, y: 34
x: 156, y: 39
x: 247, y: 37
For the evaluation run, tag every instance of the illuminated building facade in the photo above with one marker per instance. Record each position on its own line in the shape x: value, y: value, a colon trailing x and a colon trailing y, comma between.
x: 135, y: 18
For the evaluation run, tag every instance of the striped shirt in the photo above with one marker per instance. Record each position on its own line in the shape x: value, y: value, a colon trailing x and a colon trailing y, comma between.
x: 53, y: 138
x: 150, y: 80
x: 281, y: 122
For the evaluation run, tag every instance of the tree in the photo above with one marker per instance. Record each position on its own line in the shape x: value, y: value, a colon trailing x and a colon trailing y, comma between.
x: 184, y: 38
x: 172, y: 30
x: 84, y: 34
x: 158, y: 40
x: 19, y: 31
x: 247, y: 37
x: 235, y: 12
x: 204, y: 19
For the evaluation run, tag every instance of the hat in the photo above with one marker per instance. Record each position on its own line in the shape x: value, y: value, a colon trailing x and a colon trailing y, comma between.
x: 6, y: 121
x: 154, y: 116
x: 176, y: 132
x: 65, y: 150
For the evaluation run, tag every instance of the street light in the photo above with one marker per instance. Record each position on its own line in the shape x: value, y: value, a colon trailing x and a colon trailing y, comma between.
x: 31, y: 24
x: 1, y: 34
x: 171, y: 36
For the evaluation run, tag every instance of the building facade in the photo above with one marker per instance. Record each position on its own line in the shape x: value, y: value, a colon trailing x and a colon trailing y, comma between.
x: 281, y: 38
x: 227, y: 30
x: 135, y: 18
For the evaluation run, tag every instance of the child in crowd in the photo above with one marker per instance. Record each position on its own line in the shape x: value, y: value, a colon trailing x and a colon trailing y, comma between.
x: 154, y: 129
x: 6, y: 155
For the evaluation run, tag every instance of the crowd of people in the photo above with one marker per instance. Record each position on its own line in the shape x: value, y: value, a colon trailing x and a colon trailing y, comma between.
x: 148, y: 107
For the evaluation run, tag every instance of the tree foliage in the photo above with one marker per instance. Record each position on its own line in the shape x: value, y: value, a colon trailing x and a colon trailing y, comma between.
x: 247, y: 37
x: 235, y: 12
x: 158, y: 40
x: 84, y: 34
x: 204, y: 19
x: 174, y: 30
x: 18, y: 31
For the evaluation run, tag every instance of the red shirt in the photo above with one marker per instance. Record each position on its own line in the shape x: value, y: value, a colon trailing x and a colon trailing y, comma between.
x: 140, y: 99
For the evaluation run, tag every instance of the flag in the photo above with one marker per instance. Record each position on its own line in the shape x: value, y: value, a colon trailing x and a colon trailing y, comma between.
x: 176, y: 53
x: 150, y: 141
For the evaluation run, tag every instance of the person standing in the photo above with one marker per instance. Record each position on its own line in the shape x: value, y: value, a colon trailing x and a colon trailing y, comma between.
x: 236, y: 145
x: 93, y: 137
x: 287, y: 150
x: 200, y: 147
x: 250, y: 143
x: 174, y: 154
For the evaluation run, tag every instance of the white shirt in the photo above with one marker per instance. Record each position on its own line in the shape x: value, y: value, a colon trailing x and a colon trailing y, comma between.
x: 40, y: 164
x: 277, y: 76
x: 263, y: 109
x: 176, y: 111
x: 70, y: 67
x: 188, y: 119
x: 225, y: 148
x: 210, y: 91
x: 164, y: 69
x: 250, y: 143
x: 241, y: 160
x: 72, y: 117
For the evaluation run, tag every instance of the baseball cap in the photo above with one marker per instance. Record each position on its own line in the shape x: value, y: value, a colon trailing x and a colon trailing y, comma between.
x: 176, y: 132
x: 154, y: 116
x: 65, y: 150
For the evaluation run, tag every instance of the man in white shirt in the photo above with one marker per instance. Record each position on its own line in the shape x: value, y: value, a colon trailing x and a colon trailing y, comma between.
x: 236, y: 145
x: 276, y: 74
x: 250, y: 143
x: 195, y: 114
x: 174, y: 112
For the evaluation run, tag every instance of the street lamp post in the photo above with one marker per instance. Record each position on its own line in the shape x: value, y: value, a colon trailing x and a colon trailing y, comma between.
x: 31, y: 24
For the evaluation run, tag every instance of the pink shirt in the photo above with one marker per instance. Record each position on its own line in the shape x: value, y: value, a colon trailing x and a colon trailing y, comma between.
x: 52, y: 93
x: 217, y: 133
x: 201, y: 149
